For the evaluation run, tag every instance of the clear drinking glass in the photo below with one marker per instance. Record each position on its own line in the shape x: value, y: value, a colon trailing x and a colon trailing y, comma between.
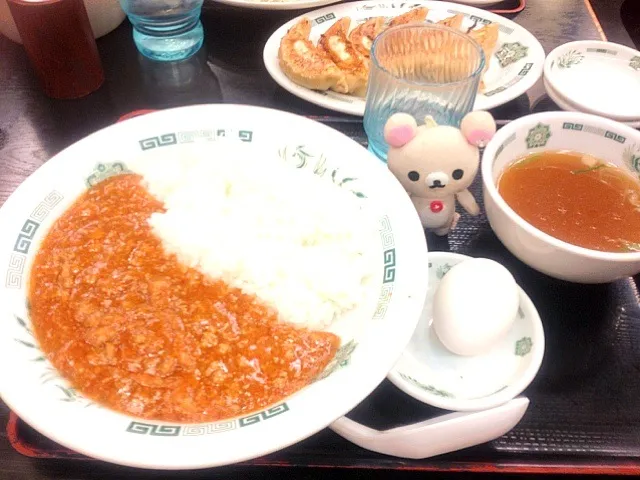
x: 166, y: 30
x: 420, y: 69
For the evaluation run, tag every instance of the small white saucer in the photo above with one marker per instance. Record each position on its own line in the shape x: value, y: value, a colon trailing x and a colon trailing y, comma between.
x: 602, y: 78
x: 430, y: 373
x: 565, y: 105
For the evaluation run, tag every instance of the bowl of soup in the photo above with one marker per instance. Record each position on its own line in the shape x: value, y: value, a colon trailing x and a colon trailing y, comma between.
x: 562, y: 193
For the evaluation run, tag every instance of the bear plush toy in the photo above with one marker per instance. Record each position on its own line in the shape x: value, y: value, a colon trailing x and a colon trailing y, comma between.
x: 437, y: 163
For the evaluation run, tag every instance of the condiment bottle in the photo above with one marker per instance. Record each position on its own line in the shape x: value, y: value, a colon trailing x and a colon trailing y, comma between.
x: 59, y: 41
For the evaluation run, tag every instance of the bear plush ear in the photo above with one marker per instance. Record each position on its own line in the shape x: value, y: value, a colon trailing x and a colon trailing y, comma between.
x: 400, y: 129
x: 478, y: 128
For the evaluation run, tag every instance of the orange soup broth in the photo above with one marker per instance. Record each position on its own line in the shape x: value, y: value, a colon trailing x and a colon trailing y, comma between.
x: 575, y: 198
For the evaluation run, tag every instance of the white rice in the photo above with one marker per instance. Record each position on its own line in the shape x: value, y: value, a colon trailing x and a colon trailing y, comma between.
x: 298, y: 242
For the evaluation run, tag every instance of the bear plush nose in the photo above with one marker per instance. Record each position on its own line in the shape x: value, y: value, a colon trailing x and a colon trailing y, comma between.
x: 437, y: 180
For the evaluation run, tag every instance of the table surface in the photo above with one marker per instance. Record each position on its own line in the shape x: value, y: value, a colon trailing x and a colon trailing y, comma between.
x: 228, y: 69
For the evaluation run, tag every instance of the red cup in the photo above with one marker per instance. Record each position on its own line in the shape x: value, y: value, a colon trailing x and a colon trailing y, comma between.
x: 59, y: 41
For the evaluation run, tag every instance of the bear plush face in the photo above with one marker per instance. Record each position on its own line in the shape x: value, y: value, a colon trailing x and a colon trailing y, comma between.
x: 432, y: 161
x: 437, y: 162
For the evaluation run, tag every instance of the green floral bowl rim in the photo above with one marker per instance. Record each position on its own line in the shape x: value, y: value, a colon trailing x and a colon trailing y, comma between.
x: 522, y: 124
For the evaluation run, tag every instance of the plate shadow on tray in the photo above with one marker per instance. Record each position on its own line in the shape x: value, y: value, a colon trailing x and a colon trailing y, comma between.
x: 235, y: 37
x: 389, y: 407
x: 63, y: 122
x: 513, y: 109
x: 136, y: 82
x: 236, y: 59
x: 173, y: 84
x: 544, y: 104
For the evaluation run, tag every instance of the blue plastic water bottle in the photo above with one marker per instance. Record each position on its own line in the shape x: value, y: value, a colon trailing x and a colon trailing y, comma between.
x: 165, y: 30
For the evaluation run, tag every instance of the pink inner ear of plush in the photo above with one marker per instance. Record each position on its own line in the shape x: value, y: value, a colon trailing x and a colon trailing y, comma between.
x: 478, y: 137
x: 399, y: 136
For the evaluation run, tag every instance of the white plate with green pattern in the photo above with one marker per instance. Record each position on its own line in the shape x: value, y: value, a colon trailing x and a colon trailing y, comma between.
x: 567, y: 106
x: 430, y: 373
x: 515, y: 66
x: 33, y: 389
x: 602, y: 78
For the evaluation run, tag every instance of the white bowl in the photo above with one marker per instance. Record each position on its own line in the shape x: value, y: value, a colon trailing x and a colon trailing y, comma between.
x: 602, y: 78
x: 373, y: 336
x: 605, y: 139
x: 431, y: 374
x: 566, y: 105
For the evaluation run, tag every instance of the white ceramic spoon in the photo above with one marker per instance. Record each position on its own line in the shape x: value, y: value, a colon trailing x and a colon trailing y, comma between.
x: 436, y: 436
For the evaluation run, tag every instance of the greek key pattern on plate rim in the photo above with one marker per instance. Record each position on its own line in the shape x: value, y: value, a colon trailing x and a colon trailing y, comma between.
x: 580, y: 127
x: 526, y: 68
x: 481, y: 21
x: 605, y: 51
x: 162, y: 430
x: 190, y: 136
x: 410, y: 5
x: 18, y: 257
x: 389, y: 272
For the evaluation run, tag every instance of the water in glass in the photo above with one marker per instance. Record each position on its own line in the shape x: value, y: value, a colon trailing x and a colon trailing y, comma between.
x: 165, y: 30
x: 423, y: 70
